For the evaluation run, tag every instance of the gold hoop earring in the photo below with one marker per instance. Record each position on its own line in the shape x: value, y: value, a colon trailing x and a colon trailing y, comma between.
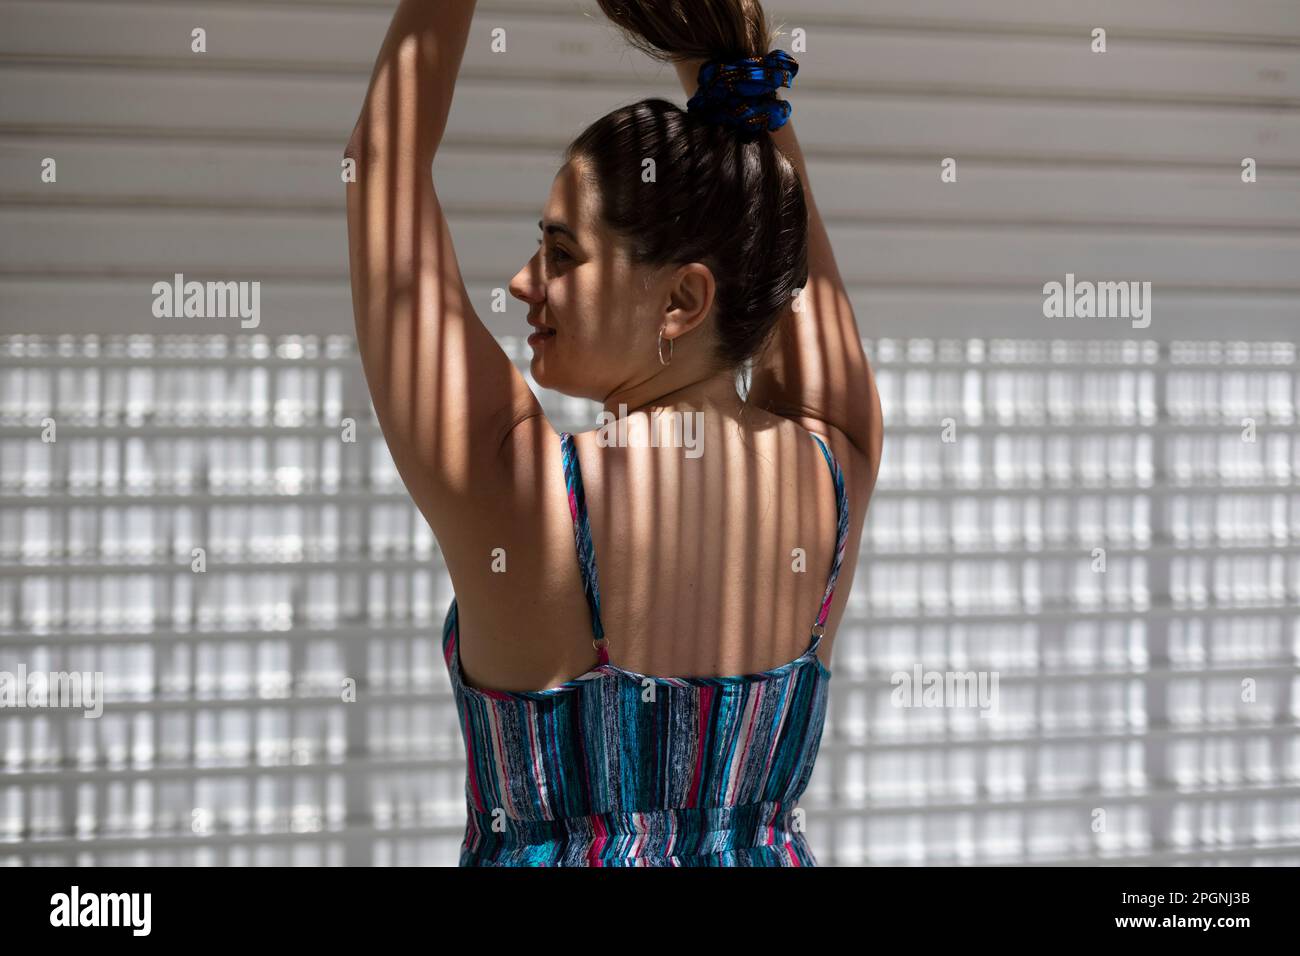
x: 661, y: 349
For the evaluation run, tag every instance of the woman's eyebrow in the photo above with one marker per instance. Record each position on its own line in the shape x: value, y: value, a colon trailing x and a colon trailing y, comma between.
x: 554, y: 227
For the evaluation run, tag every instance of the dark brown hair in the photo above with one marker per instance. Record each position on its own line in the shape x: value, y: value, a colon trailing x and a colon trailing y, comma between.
x: 728, y: 199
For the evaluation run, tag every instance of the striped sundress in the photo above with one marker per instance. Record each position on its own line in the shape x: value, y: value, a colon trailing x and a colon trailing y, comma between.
x: 616, y: 768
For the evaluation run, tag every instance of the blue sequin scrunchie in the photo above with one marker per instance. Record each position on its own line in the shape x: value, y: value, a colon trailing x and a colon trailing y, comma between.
x: 742, y: 93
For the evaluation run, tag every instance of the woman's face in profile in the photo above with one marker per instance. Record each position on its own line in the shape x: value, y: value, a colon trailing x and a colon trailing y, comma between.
x: 580, y: 283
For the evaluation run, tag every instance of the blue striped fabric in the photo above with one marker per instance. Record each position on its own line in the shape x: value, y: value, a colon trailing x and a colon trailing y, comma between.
x: 616, y: 768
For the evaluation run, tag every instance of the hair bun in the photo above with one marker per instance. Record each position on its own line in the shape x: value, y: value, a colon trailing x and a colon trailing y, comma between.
x: 742, y: 93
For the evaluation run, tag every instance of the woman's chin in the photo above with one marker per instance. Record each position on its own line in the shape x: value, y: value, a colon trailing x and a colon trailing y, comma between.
x: 541, y: 374
x: 552, y: 382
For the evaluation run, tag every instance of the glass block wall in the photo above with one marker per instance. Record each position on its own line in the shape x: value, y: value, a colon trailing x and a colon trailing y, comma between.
x: 207, y: 531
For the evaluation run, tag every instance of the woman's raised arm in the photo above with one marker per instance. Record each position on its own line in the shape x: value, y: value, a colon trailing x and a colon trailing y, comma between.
x: 445, y: 393
x: 815, y: 370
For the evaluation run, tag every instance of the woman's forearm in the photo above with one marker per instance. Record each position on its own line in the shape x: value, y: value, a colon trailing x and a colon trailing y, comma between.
x: 411, y: 87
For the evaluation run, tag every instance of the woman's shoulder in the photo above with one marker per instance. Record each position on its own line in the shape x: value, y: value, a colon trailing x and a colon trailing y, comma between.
x: 858, y: 467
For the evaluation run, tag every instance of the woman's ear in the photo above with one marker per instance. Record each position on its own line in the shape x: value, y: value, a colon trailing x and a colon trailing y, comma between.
x: 690, y: 298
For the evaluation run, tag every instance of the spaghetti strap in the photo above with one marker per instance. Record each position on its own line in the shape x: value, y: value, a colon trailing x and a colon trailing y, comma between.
x: 582, y: 538
x: 841, y: 540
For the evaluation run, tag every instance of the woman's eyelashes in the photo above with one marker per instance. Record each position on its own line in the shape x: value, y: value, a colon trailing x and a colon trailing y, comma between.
x: 557, y: 255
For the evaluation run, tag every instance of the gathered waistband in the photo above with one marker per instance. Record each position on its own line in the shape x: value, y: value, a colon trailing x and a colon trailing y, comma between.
x: 627, y: 837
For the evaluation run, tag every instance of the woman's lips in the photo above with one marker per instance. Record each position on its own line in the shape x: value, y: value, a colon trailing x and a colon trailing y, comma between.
x: 540, y: 336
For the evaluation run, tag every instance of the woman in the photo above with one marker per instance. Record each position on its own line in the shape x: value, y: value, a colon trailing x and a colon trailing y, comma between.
x: 673, y: 250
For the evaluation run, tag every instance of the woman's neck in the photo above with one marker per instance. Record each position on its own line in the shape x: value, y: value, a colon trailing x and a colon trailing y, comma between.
x: 716, y: 393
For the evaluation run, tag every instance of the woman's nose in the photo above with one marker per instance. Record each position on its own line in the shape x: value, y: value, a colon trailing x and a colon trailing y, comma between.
x: 527, y: 284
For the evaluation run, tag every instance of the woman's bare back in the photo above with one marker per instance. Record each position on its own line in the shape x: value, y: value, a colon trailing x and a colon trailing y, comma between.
x: 711, y: 560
